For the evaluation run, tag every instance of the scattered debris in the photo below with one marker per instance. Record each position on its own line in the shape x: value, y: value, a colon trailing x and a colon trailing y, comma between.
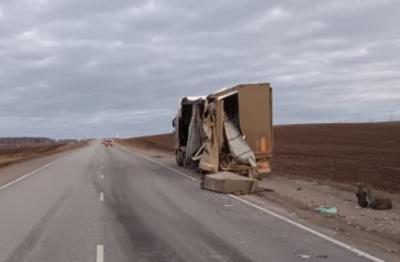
x: 227, y: 182
x: 303, y: 256
x: 264, y: 189
x: 326, y: 210
x: 391, y: 250
x: 367, y: 199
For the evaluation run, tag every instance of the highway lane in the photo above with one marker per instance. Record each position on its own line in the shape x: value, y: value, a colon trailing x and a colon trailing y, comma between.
x: 105, y: 204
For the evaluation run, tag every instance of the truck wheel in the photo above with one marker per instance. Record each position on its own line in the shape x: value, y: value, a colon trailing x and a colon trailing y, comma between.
x: 179, y: 157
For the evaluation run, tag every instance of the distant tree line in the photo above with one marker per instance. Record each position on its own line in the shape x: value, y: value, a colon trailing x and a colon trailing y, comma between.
x: 33, y: 140
x: 25, y: 140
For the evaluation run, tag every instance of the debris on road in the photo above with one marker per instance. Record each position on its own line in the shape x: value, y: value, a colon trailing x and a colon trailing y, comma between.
x: 304, y: 256
x: 226, y: 182
x: 264, y: 189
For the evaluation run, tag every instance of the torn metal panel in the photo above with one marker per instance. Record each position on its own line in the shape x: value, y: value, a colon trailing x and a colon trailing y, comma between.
x: 238, y: 146
x: 210, y: 157
x: 243, y: 144
x: 196, y: 134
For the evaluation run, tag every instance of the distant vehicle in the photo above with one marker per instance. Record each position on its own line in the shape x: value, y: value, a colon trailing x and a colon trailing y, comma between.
x: 107, y: 143
x: 229, y: 130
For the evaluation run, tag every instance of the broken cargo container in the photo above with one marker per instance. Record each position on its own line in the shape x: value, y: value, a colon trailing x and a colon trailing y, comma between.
x: 229, y: 130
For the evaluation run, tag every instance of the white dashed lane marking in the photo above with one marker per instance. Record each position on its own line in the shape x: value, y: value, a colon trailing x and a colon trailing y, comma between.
x: 101, y: 196
x: 100, y: 253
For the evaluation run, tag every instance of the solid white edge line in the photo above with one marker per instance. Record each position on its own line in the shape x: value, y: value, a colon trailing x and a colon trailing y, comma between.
x: 101, y: 196
x: 162, y: 165
x: 29, y: 174
x: 100, y: 253
x: 303, y: 227
x: 310, y: 230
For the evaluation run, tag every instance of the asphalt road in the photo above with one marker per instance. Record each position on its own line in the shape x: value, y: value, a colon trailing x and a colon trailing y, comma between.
x: 105, y: 204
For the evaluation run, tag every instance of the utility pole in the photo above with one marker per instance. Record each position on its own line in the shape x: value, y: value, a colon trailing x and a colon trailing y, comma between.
x: 391, y: 115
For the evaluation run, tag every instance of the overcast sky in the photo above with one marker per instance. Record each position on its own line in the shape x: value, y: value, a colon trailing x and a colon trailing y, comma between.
x: 70, y: 68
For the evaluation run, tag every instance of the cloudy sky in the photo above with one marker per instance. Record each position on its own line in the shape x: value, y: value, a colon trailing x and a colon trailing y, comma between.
x: 70, y: 68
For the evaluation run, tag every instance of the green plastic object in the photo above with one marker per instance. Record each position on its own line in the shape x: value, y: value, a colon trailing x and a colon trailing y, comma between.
x: 327, y: 210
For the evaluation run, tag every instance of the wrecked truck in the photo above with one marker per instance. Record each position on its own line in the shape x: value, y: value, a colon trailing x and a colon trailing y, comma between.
x: 229, y: 130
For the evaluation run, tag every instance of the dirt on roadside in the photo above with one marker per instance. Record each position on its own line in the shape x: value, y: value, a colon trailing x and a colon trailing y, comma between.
x: 379, y: 228
x: 12, y: 153
x: 320, y: 165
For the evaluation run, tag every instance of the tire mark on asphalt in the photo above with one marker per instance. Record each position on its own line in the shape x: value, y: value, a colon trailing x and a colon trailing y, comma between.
x: 30, y: 241
x: 143, y: 243
x: 152, y: 245
x: 207, y: 240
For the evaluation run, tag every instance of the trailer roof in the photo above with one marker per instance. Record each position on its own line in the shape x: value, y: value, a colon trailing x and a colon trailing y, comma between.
x: 226, y: 91
x: 188, y: 100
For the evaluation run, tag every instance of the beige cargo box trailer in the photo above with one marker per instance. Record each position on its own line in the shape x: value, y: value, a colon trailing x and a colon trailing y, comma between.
x: 229, y: 130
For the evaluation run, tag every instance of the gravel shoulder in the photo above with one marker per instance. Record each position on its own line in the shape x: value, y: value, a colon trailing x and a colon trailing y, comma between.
x: 296, y: 192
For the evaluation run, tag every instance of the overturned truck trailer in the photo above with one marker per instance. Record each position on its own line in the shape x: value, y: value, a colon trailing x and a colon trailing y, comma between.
x: 230, y: 130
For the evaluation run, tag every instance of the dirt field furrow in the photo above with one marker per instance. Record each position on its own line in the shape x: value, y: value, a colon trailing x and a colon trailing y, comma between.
x: 350, y: 153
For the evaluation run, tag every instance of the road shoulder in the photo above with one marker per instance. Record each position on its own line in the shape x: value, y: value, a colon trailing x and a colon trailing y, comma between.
x: 375, y: 231
x: 10, y: 173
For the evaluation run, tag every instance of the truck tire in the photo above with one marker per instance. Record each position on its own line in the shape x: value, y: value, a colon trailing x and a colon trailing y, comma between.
x: 179, y: 157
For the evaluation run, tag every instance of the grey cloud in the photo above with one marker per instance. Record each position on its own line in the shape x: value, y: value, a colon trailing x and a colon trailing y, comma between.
x: 75, y: 68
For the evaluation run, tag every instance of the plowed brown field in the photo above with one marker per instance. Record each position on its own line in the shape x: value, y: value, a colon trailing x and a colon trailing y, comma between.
x: 348, y: 153
x: 368, y: 153
x: 14, y: 153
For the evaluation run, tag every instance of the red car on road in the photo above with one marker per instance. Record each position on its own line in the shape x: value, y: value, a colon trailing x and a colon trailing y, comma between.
x: 107, y: 142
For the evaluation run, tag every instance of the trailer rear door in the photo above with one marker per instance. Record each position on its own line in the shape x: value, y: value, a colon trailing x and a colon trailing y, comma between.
x: 255, y: 113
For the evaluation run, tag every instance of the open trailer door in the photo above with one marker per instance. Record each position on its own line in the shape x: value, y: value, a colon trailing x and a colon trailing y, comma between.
x: 255, y: 113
